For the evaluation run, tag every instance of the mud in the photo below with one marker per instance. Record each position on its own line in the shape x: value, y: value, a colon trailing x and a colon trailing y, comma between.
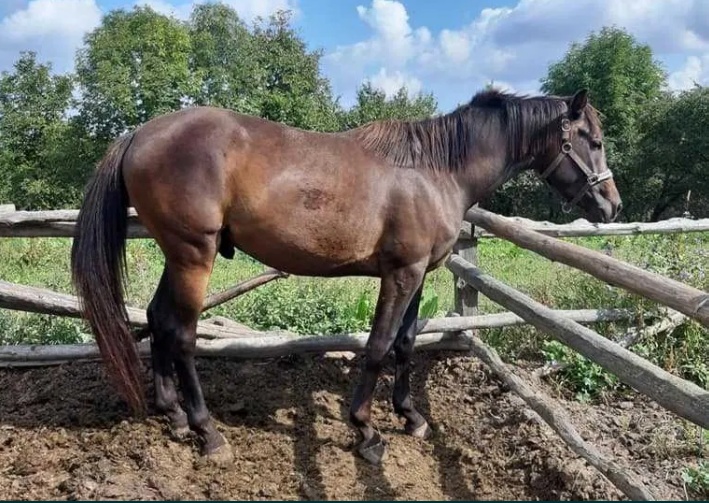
x: 64, y: 434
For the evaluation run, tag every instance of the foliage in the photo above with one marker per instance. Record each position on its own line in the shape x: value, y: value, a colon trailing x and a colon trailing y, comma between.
x: 682, y: 351
x: 697, y: 478
x: 133, y: 67
x: 620, y: 73
x: 294, y: 92
x: 224, y: 57
x: 672, y: 160
x: 34, y: 136
x: 372, y: 104
x: 27, y: 328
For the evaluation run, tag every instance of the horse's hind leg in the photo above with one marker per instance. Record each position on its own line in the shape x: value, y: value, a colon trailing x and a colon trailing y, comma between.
x: 416, y: 424
x: 162, y: 349
x: 186, y: 276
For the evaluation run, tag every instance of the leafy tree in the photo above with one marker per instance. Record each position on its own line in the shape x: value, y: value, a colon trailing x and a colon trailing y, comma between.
x: 224, y: 57
x: 136, y: 65
x: 673, y: 157
x: 34, y: 136
x: 372, y: 104
x: 294, y: 92
x: 621, y: 74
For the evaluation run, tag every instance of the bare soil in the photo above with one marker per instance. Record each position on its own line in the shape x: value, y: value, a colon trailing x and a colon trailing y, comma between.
x: 64, y: 434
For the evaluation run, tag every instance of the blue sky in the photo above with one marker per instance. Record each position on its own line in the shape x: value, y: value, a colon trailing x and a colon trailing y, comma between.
x: 449, y: 47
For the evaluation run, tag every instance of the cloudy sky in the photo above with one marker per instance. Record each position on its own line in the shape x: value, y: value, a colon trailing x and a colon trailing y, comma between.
x: 449, y: 47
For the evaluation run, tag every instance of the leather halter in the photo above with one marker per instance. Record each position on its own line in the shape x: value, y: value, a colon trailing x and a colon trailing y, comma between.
x: 592, y: 179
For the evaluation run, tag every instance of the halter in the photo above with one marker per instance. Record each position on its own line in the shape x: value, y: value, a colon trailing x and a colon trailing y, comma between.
x: 592, y: 179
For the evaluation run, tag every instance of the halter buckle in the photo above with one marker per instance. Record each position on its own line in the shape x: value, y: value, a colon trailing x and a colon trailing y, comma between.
x: 566, y: 147
x: 565, y: 125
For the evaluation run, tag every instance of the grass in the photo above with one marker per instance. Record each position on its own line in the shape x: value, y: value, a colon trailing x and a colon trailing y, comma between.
x: 322, y: 306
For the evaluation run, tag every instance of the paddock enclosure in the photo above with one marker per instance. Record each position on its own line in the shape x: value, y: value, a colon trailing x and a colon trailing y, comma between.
x: 281, y: 399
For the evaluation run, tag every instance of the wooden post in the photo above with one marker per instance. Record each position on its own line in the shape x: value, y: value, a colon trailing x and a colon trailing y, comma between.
x: 465, y: 296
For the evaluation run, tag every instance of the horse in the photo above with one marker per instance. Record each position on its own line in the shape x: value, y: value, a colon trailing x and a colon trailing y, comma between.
x: 384, y: 200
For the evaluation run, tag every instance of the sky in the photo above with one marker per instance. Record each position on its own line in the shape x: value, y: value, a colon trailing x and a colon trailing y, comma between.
x: 451, y: 48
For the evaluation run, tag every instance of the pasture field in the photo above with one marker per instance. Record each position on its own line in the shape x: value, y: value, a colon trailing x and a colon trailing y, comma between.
x: 287, y: 416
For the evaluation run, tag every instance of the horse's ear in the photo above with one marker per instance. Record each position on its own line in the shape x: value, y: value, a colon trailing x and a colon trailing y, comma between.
x: 578, y: 103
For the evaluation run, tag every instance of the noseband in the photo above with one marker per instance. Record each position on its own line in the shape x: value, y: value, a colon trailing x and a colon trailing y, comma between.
x: 592, y: 179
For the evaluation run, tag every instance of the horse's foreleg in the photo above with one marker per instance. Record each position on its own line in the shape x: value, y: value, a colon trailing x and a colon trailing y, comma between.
x: 398, y: 287
x: 416, y: 424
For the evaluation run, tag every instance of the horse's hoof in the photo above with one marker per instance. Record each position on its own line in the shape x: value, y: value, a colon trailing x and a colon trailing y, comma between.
x: 221, y: 456
x: 180, y: 433
x: 422, y: 431
x: 373, y: 450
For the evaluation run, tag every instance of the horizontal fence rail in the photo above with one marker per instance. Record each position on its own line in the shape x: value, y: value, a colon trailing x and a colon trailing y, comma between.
x: 683, y: 298
x: 61, y: 223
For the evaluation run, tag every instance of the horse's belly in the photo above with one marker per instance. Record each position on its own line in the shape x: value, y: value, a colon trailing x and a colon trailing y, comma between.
x: 308, y: 248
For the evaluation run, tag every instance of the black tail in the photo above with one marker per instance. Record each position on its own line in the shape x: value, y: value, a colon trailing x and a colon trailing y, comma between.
x: 98, y: 261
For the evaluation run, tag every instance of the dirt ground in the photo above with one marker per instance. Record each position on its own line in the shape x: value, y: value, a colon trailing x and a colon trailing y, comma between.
x: 65, y: 435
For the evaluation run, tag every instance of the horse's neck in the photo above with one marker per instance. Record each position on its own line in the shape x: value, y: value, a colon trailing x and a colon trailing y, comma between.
x: 489, y: 167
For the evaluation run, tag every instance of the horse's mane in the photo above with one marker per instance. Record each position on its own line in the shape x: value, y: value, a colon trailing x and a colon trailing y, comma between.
x: 446, y: 141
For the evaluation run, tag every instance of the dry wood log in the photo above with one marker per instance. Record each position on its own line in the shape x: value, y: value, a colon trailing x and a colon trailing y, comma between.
x: 632, y: 336
x: 582, y: 228
x: 61, y: 223
x: 243, y: 287
x: 268, y: 346
x: 683, y: 298
x: 555, y: 416
x: 498, y: 320
x: 44, y: 301
x: 682, y: 397
x: 7, y: 208
x: 55, y: 223
x: 40, y: 300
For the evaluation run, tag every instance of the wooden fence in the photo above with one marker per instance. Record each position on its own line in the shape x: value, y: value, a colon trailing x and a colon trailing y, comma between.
x: 219, y: 336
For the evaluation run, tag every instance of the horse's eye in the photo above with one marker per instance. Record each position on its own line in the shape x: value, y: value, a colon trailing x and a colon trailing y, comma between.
x: 596, y: 143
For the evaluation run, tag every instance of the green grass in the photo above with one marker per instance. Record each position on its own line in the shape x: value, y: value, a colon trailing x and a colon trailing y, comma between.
x: 323, y: 306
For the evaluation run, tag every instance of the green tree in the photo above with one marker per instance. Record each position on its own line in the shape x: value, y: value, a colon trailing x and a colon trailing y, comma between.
x: 672, y: 161
x: 293, y: 90
x: 224, y: 57
x: 35, y: 136
x: 372, y: 104
x: 620, y: 73
x: 136, y: 65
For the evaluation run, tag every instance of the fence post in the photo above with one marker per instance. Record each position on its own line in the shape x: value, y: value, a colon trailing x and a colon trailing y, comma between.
x: 465, y: 296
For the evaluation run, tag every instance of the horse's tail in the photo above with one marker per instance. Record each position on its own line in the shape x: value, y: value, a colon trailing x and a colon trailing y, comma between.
x: 98, y: 268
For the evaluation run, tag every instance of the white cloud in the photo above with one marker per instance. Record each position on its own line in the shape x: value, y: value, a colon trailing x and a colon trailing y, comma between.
x: 694, y: 71
x: 52, y: 28
x: 390, y: 83
x: 513, y: 44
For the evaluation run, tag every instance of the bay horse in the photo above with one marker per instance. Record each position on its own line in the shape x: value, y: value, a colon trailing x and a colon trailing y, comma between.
x: 383, y: 200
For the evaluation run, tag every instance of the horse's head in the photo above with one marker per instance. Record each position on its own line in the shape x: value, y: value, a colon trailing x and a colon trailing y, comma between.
x: 576, y: 165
